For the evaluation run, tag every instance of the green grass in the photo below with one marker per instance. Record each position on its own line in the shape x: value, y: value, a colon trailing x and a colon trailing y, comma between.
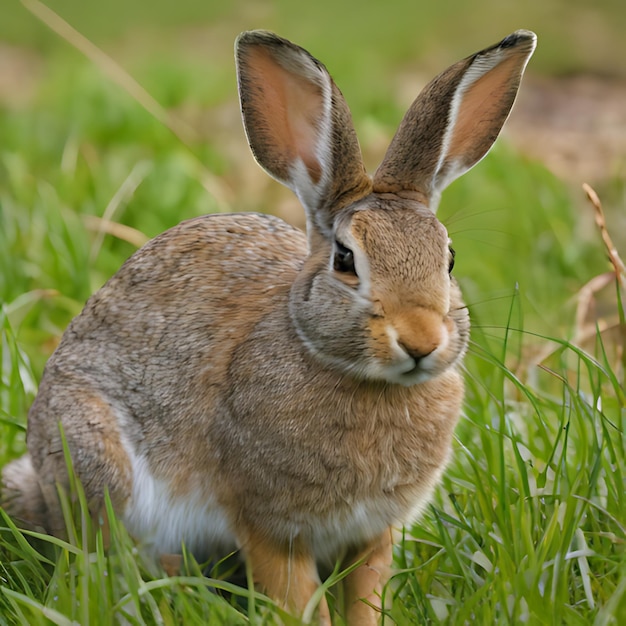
x: 529, y: 523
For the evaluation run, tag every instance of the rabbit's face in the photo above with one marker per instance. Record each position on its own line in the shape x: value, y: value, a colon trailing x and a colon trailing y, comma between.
x: 379, y: 302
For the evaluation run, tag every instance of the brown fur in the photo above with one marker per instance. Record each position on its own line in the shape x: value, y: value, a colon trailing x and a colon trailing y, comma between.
x: 268, y: 400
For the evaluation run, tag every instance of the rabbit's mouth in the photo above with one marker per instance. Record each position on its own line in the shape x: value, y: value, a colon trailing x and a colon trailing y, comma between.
x: 410, y: 370
x: 419, y: 372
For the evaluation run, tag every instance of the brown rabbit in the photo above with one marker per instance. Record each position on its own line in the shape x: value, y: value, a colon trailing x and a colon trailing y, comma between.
x: 239, y: 385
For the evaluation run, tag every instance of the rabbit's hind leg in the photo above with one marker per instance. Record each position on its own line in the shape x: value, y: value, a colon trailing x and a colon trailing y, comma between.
x: 98, y: 457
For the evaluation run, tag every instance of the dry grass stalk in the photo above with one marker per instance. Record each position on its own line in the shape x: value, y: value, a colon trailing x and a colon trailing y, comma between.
x: 603, y: 315
x: 616, y: 261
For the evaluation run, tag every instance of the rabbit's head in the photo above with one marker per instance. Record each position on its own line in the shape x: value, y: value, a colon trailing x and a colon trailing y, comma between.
x: 375, y: 297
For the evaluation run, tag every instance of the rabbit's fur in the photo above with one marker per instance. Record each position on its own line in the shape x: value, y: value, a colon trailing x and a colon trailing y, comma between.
x: 238, y: 384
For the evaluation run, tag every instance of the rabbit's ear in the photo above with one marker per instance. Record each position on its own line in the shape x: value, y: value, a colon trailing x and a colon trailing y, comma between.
x: 298, y: 125
x: 455, y: 120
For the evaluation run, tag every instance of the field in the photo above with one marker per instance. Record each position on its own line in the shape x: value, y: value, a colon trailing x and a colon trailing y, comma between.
x: 529, y: 523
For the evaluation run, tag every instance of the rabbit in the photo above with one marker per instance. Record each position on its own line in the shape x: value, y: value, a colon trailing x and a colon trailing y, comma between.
x: 241, y: 385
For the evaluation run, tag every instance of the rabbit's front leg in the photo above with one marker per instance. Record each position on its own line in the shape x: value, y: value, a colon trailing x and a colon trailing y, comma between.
x: 363, y: 587
x: 287, y: 573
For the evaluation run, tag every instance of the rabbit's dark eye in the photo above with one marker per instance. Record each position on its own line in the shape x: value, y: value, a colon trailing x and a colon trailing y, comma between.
x: 343, y: 259
x: 451, y: 265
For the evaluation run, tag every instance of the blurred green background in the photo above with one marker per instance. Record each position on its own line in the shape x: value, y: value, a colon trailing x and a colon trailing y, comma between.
x: 576, y: 35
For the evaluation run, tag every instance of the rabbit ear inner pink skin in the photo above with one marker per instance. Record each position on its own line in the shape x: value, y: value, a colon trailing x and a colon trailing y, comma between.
x: 455, y: 120
x: 299, y: 126
x: 238, y: 384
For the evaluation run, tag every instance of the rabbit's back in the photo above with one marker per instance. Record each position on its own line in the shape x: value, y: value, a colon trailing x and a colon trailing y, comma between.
x: 167, y: 322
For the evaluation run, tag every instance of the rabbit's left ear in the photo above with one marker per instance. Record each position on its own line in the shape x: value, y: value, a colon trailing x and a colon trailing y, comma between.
x: 455, y: 120
x: 299, y: 126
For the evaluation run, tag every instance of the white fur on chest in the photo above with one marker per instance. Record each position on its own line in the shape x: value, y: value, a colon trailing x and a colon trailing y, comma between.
x: 365, y: 520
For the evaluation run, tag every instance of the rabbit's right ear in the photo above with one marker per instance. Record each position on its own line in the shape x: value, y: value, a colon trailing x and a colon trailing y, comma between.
x: 455, y: 120
x: 299, y: 126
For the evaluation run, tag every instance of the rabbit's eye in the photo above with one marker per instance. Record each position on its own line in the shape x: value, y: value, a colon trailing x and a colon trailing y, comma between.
x: 343, y: 259
x: 451, y: 265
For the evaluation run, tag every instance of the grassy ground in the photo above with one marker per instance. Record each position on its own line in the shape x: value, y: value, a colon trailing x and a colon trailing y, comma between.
x: 529, y: 524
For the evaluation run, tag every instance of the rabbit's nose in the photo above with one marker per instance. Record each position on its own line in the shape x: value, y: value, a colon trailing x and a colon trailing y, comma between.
x: 419, y: 332
x: 417, y: 354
